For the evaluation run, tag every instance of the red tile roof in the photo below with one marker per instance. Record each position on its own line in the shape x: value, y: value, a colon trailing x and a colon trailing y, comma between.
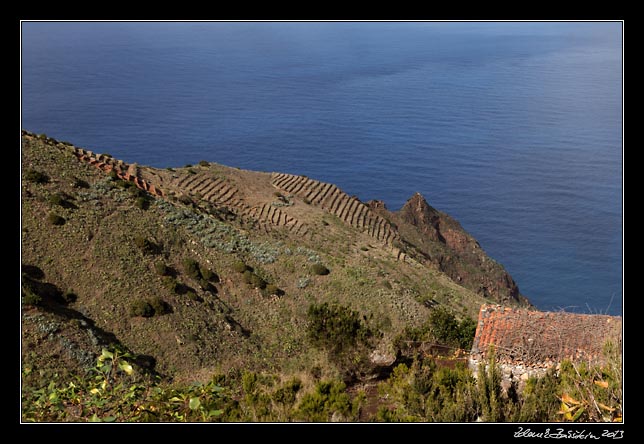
x: 529, y: 337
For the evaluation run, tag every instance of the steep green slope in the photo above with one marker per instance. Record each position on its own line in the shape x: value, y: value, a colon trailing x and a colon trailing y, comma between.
x: 91, y: 268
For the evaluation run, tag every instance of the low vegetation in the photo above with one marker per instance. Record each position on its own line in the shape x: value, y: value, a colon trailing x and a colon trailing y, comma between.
x: 189, y: 311
x: 423, y: 391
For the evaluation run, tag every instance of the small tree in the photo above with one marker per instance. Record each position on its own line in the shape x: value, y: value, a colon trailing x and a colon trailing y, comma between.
x: 489, y: 385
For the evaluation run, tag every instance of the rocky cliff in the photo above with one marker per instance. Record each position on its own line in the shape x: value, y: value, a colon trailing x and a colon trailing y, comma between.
x: 441, y: 241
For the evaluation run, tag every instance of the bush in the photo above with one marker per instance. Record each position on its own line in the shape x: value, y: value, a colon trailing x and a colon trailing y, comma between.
x: 142, y: 203
x: 79, y: 183
x: 29, y: 297
x: 55, y: 219
x: 146, y: 245
x: 240, y: 267
x: 141, y: 308
x: 36, y: 176
x: 335, y: 327
x: 254, y: 280
x: 57, y: 199
x: 136, y: 191
x: 161, y: 268
x: 328, y: 398
x: 272, y: 289
x: 171, y: 284
x: 448, y: 331
x: 208, y: 274
x: 184, y: 199
x: 159, y: 306
x: 193, y: 296
x: 191, y: 267
x: 126, y: 184
x: 207, y: 286
x: 204, y: 163
x: 319, y: 269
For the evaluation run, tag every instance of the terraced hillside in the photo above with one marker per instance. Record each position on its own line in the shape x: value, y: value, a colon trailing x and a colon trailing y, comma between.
x: 335, y: 201
x: 231, y: 259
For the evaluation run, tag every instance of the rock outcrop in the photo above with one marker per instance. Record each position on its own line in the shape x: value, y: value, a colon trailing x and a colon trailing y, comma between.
x: 443, y: 242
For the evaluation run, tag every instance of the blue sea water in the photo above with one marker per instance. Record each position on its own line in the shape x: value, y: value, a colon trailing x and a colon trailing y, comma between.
x: 514, y: 129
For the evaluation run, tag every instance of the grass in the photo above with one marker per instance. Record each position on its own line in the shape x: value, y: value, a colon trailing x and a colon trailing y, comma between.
x: 126, y: 254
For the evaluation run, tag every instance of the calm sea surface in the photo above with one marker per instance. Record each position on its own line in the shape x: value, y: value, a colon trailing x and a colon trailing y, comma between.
x: 515, y: 129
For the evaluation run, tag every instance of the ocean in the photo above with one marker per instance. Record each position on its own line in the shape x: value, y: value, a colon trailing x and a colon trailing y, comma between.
x: 513, y: 128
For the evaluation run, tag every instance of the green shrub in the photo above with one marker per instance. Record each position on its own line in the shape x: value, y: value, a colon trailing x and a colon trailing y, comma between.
x: 161, y: 268
x: 446, y: 329
x: 319, y: 269
x: 204, y: 163
x: 146, y: 245
x: 29, y: 297
x: 191, y: 268
x: 79, y: 183
x: 335, y: 327
x: 171, y: 284
x: 57, y: 199
x: 272, y: 289
x: 286, y: 394
x: 55, y: 219
x: 114, y: 175
x: 159, y: 306
x: 207, y: 286
x: 306, y: 201
x: 193, y: 296
x: 208, y: 274
x: 142, y: 203
x: 489, y: 390
x: 328, y: 398
x: 126, y: 184
x: 136, y: 191
x: 254, y: 280
x: 240, y: 267
x: 36, y: 176
x: 184, y: 199
x: 141, y: 308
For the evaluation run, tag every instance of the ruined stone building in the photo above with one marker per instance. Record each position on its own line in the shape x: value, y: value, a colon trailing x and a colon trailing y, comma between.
x: 527, y: 342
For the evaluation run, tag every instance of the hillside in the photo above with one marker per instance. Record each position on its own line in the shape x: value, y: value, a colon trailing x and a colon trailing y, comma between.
x: 230, y: 262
